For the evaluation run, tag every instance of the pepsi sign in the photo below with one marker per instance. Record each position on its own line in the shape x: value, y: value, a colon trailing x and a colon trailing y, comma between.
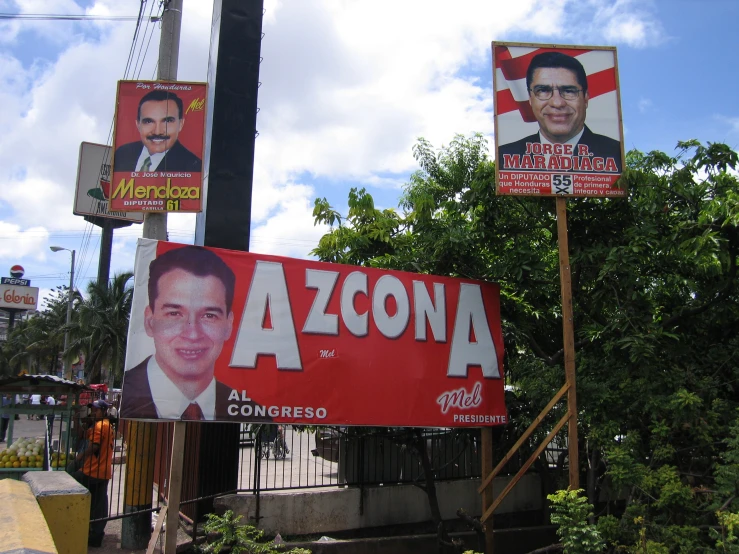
x: 17, y: 271
x: 16, y: 282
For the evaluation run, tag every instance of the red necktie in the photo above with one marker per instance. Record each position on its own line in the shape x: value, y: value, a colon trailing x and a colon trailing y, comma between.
x: 193, y: 412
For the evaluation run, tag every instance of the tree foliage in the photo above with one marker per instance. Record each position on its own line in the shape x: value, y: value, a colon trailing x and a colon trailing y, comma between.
x: 98, y: 330
x: 655, y: 304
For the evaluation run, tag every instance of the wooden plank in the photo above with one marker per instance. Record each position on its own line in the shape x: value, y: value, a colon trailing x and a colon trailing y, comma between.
x: 568, y: 332
x: 523, y: 438
x: 516, y: 478
x: 487, y: 493
x: 157, y: 530
x: 175, y: 488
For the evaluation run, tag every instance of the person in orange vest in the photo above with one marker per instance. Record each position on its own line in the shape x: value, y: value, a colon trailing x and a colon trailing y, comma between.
x: 96, y: 469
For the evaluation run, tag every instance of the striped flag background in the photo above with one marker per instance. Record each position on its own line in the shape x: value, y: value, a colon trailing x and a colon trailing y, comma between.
x: 514, y: 117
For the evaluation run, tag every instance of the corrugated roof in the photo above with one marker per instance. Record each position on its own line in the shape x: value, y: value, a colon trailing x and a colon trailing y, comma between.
x: 39, y: 383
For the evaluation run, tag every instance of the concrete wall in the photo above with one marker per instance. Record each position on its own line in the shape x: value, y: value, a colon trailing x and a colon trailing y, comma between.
x: 22, y: 525
x: 65, y: 505
x: 324, y: 511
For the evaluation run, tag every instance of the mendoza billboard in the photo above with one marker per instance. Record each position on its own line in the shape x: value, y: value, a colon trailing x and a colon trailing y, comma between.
x: 234, y: 336
x: 158, y: 147
x: 558, y: 128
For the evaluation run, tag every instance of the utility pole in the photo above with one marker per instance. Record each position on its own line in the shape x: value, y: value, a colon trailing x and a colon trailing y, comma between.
x: 136, y: 529
x: 106, y: 249
x: 70, y: 299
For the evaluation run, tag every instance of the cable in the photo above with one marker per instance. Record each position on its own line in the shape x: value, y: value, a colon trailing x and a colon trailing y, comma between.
x: 136, y: 71
x: 68, y: 17
x: 86, y: 239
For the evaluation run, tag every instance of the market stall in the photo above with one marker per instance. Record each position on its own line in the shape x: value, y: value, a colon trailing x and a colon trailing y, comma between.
x: 41, y: 447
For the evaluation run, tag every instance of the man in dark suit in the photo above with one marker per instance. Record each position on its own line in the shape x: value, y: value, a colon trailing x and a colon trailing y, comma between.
x: 558, y: 95
x: 189, y: 316
x: 159, y: 121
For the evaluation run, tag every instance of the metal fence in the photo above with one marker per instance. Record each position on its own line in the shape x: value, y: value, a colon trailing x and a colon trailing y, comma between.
x: 223, y: 458
x: 332, y: 456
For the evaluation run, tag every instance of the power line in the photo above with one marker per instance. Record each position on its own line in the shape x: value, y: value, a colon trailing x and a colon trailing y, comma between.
x: 71, y: 17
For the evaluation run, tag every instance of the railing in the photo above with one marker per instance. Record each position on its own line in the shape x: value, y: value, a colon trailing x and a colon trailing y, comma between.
x: 273, y: 459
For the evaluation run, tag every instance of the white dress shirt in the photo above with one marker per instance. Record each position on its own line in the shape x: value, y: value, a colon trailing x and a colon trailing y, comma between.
x: 155, y: 159
x: 168, y: 398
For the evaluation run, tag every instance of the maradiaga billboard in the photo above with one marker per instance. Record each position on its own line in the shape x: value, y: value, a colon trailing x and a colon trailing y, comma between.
x: 158, y: 147
x: 558, y: 128
x: 18, y: 297
x: 234, y: 336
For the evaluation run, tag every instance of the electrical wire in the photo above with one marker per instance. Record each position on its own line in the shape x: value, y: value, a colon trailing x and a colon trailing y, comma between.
x: 68, y: 17
x: 87, y: 249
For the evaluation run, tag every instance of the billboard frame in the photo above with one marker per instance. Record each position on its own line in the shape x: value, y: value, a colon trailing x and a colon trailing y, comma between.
x: 184, y: 181
x: 617, y: 188
x: 129, y: 217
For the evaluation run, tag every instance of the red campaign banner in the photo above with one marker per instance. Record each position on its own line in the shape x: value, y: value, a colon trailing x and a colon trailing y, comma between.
x: 158, y: 147
x: 219, y: 335
x: 558, y: 127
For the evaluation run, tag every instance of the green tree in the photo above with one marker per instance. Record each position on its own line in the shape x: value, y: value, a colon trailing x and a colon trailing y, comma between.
x: 654, y: 298
x: 100, y: 329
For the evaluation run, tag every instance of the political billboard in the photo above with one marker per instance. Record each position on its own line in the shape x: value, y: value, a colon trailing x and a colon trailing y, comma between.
x: 558, y: 128
x: 219, y: 335
x: 92, y: 195
x: 158, y: 147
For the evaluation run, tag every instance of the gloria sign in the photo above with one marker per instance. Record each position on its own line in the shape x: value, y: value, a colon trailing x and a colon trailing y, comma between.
x: 92, y: 195
x: 158, y: 147
x: 557, y: 120
x: 234, y: 336
x: 18, y: 297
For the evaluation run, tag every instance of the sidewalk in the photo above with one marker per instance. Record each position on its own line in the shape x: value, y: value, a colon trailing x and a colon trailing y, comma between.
x: 112, y: 540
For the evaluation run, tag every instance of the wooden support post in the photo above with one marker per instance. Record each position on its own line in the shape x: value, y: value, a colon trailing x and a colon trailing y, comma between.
x: 568, y: 332
x: 157, y: 531
x: 487, y: 478
x: 175, y: 488
x: 487, y: 493
x: 487, y: 514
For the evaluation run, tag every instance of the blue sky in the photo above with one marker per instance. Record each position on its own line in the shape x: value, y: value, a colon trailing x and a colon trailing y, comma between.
x: 347, y: 89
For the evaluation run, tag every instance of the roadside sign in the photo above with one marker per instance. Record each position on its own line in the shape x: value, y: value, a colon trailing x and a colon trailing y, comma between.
x: 93, y: 185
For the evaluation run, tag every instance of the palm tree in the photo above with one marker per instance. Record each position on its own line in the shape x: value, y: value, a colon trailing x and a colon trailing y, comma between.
x: 101, y: 327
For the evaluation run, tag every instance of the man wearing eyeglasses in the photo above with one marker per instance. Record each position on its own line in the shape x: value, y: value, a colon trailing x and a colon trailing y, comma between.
x: 558, y: 95
x: 189, y: 317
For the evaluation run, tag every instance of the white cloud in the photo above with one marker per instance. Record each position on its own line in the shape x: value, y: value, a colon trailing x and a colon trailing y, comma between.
x: 630, y: 22
x: 290, y: 231
x: 16, y: 242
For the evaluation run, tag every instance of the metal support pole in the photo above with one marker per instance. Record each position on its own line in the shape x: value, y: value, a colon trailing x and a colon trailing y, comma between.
x: 70, y: 299
x: 106, y: 249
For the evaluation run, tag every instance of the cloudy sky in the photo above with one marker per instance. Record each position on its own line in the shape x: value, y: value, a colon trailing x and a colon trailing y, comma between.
x: 347, y: 88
